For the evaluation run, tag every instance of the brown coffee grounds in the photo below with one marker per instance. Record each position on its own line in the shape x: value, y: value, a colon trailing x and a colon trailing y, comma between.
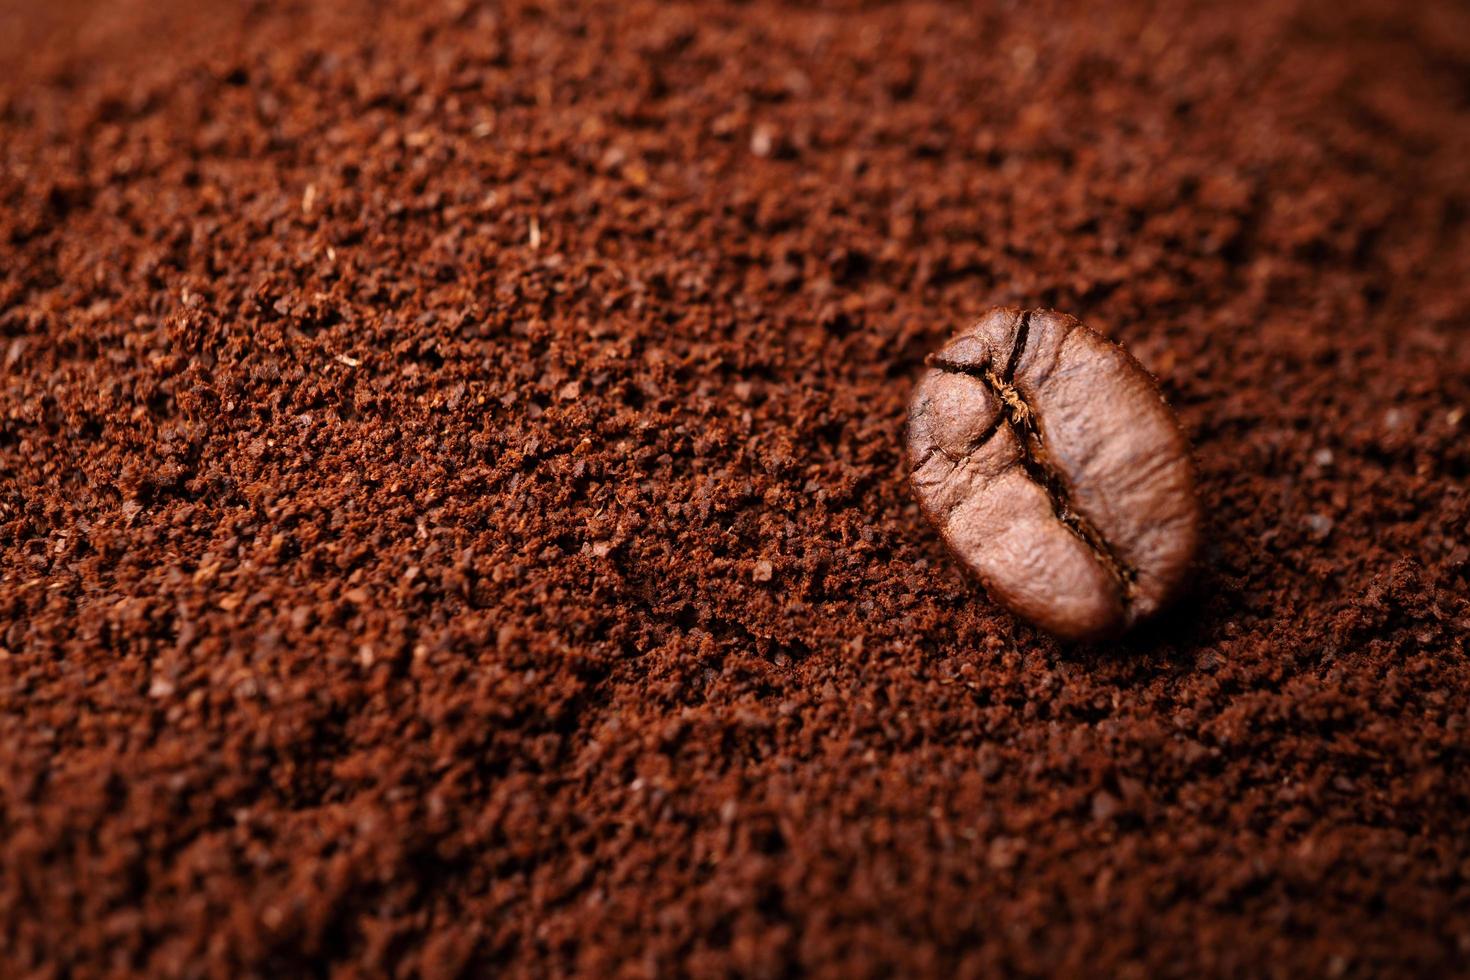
x: 454, y: 516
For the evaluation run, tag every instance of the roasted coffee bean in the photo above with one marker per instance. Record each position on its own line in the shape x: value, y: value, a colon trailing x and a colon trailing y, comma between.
x: 1048, y: 460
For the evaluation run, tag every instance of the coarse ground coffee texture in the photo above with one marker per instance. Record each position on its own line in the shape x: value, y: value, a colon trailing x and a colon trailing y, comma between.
x: 454, y: 515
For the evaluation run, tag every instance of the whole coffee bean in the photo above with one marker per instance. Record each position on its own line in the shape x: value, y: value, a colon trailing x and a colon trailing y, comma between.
x: 1048, y: 460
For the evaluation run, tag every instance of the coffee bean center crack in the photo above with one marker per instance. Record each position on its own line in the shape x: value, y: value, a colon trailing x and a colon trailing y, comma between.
x: 1017, y: 413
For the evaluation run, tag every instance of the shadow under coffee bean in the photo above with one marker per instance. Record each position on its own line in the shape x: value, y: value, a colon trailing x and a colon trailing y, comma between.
x: 1047, y: 458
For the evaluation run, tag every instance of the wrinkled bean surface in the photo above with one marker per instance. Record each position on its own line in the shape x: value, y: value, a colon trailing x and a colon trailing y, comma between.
x: 1048, y: 460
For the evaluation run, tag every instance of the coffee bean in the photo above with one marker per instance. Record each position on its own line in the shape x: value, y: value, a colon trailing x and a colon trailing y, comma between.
x: 1048, y: 460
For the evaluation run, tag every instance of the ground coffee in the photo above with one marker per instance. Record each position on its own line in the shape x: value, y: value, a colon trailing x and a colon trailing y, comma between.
x: 454, y: 515
x: 1053, y: 468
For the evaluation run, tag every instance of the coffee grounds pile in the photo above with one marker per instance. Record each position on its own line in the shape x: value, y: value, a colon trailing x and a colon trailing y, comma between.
x: 453, y: 509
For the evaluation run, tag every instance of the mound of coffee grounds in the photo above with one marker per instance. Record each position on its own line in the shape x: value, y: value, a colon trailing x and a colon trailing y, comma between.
x: 454, y: 515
